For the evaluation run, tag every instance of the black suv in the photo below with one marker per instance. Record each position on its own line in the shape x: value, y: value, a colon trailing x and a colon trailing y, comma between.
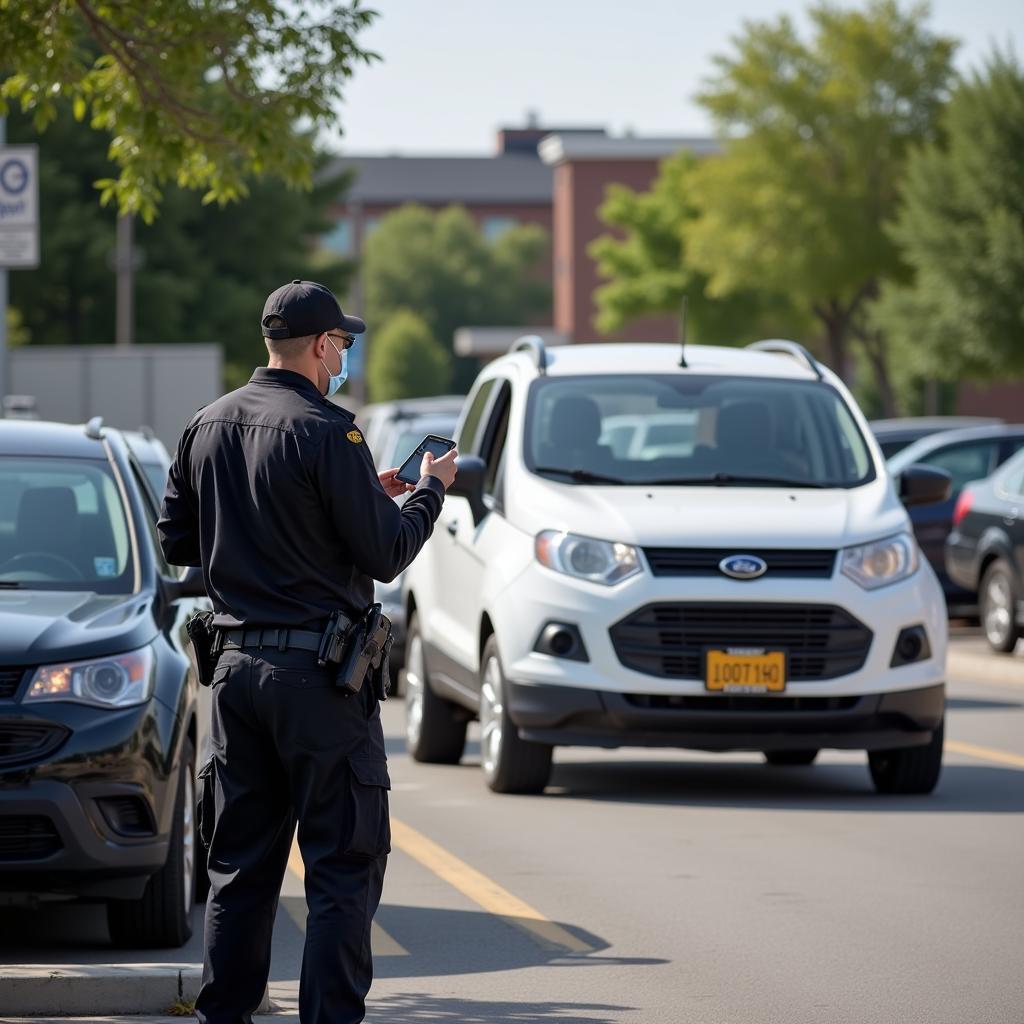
x: 99, y: 706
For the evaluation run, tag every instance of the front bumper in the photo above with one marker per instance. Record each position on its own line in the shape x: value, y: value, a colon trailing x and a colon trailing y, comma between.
x: 61, y: 830
x: 539, y: 596
x: 572, y: 716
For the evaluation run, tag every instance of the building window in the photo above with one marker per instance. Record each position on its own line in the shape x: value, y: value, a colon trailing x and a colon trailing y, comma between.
x: 339, y: 239
x: 370, y: 224
x: 495, y: 227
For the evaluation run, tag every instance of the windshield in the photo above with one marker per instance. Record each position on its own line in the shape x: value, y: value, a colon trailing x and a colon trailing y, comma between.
x: 683, y: 429
x: 62, y: 527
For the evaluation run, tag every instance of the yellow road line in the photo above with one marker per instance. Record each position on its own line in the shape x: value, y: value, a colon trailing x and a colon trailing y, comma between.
x: 381, y: 943
x: 482, y: 890
x: 985, y: 753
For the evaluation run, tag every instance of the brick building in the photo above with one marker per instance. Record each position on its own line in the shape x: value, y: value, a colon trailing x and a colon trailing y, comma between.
x: 553, y: 177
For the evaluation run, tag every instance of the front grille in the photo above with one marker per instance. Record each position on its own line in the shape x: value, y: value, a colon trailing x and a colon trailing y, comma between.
x: 27, y: 837
x: 728, y: 702
x: 669, y: 640
x: 782, y: 564
x: 10, y: 680
x: 23, y: 741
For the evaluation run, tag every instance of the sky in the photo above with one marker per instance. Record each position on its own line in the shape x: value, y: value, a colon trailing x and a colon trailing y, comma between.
x: 454, y: 71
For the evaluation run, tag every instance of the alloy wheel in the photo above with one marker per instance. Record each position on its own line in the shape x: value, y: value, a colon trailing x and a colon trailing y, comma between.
x: 414, y: 683
x: 998, y: 610
x: 188, y: 840
x: 491, y: 714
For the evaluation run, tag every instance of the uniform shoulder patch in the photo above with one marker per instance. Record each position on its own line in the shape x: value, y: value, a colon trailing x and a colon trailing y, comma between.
x: 355, y: 437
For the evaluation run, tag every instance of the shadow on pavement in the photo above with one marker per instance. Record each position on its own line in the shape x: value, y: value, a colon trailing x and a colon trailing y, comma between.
x: 439, y: 942
x: 981, y: 704
x: 62, y: 933
x: 978, y: 789
x: 395, y: 747
x: 412, y: 1006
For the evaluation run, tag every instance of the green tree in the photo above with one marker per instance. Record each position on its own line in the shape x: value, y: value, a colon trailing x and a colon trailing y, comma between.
x: 206, y: 270
x: 201, y: 95
x: 406, y: 360
x: 648, y: 270
x: 821, y: 132
x: 441, y: 266
x: 961, y: 229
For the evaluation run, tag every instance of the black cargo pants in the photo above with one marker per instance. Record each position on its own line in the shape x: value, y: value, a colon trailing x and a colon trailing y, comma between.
x: 288, y: 746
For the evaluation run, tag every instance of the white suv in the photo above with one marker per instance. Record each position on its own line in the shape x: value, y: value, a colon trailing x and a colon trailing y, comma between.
x: 754, y: 586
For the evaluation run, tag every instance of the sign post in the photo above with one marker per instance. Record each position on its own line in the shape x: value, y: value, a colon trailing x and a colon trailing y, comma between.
x: 19, y: 225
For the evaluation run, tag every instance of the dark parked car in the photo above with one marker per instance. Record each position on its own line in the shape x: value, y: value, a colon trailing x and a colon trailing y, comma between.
x: 967, y: 455
x: 985, y: 551
x: 895, y: 435
x: 100, y: 727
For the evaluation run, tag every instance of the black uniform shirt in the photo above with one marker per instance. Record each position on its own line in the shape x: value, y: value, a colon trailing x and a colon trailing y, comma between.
x: 274, y: 493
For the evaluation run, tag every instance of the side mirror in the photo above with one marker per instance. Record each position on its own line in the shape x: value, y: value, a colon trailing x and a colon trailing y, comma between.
x: 924, y: 485
x: 469, y: 484
x: 189, y: 584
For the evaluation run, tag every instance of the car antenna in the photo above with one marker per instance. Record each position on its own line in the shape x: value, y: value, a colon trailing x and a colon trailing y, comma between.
x: 682, y: 334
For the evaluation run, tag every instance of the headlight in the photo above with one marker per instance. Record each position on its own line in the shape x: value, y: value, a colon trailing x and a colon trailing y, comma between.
x: 116, y: 682
x: 599, y: 561
x: 882, y: 562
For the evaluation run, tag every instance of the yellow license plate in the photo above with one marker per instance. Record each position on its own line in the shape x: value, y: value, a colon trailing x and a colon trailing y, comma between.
x: 745, y: 670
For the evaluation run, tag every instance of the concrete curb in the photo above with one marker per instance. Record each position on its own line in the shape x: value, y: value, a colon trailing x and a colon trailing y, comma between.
x: 38, y: 990
x: 986, y: 666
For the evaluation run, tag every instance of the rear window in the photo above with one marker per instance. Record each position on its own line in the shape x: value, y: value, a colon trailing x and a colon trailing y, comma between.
x: 681, y: 429
x: 63, y: 527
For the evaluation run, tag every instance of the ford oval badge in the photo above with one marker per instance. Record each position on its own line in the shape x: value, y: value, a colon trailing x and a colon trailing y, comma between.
x: 743, y: 567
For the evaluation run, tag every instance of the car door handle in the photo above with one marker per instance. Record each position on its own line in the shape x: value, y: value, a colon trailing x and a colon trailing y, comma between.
x: 453, y: 527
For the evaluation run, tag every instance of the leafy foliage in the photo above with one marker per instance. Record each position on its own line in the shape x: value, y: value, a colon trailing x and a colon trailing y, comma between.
x: 648, y: 269
x: 205, y: 272
x: 821, y: 132
x: 441, y: 266
x: 406, y: 361
x: 961, y: 228
x: 201, y: 95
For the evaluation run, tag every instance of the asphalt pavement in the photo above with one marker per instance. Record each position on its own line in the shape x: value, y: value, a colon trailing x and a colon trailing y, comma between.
x: 661, y: 886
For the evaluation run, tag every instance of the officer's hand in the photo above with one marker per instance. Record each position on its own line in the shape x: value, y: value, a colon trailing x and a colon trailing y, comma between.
x: 393, y: 487
x: 443, y: 468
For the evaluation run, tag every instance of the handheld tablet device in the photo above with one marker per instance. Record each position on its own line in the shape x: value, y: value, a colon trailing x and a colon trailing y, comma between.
x: 437, y: 446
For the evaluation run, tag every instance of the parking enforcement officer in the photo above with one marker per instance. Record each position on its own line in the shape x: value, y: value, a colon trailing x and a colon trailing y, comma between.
x: 274, y: 493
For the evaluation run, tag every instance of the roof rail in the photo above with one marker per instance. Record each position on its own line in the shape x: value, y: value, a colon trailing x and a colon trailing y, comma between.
x: 792, y: 349
x: 94, y: 428
x: 534, y: 344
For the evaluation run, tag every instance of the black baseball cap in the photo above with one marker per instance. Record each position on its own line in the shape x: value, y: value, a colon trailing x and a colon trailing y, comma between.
x: 306, y: 308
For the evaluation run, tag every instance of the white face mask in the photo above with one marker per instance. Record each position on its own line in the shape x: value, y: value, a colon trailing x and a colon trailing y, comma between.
x: 335, y: 380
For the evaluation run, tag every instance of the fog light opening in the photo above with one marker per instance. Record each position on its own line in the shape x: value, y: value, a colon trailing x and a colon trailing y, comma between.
x: 911, y: 646
x: 561, y: 640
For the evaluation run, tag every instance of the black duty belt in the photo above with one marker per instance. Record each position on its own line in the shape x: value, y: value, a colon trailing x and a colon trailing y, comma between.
x: 282, y: 639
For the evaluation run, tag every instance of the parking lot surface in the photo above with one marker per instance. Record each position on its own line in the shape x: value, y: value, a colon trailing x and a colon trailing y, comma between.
x: 681, y: 887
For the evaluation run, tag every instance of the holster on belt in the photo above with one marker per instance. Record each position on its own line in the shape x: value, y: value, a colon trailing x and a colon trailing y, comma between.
x: 365, y: 651
x: 205, y: 639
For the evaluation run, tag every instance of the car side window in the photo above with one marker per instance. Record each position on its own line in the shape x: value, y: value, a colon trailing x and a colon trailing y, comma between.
x: 470, y: 425
x: 151, y: 516
x: 493, y: 440
x: 964, y: 462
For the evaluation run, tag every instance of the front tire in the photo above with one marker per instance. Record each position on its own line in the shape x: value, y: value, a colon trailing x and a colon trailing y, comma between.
x: 510, y: 764
x: 435, y: 730
x: 908, y: 770
x: 997, y: 600
x: 162, y: 917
